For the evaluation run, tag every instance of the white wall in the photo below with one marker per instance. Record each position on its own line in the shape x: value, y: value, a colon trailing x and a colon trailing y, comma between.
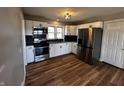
x: 11, y: 51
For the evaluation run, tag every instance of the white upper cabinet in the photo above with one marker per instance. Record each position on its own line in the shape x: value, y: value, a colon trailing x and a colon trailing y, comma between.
x: 38, y: 24
x: 29, y: 24
x: 98, y: 24
x: 28, y: 27
x: 70, y: 30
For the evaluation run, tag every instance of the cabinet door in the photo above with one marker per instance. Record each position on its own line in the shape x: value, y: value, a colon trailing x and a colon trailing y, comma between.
x: 63, y: 49
x: 74, y: 48
x: 67, y: 30
x: 30, y: 54
x: 28, y: 27
x: 44, y: 24
x: 52, y: 50
x: 60, y: 49
x: 36, y: 24
x: 57, y: 49
x: 73, y: 30
x: 67, y: 48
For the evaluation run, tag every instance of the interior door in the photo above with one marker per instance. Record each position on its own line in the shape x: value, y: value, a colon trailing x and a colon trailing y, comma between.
x: 114, y: 43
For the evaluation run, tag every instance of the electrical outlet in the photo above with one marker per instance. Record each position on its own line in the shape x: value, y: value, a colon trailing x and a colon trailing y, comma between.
x: 2, y: 67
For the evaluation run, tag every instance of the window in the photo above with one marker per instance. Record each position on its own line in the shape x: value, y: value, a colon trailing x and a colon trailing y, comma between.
x: 59, y: 33
x: 55, y: 33
x: 51, y: 33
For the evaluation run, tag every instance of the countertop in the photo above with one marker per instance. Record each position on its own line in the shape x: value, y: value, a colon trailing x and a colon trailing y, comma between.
x: 56, y: 42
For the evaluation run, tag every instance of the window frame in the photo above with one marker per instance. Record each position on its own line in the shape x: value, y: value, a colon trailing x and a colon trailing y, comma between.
x: 51, y: 32
x: 59, y: 32
x: 55, y: 33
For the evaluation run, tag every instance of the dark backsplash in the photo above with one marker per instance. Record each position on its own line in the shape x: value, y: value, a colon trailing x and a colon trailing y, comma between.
x: 71, y: 38
x: 55, y: 40
x: 29, y: 40
x: 67, y: 38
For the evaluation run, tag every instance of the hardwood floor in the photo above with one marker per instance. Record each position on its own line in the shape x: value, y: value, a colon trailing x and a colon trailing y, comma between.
x: 68, y: 70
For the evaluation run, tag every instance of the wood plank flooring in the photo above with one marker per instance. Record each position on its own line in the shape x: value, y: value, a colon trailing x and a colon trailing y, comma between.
x: 67, y: 70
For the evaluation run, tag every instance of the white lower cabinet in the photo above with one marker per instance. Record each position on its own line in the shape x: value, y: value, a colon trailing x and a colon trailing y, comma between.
x: 74, y: 48
x: 30, y: 54
x: 52, y: 50
x: 62, y: 48
x: 68, y: 48
x: 58, y: 49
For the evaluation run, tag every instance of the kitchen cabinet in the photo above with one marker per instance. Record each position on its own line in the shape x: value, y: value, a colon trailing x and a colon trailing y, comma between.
x: 38, y: 24
x: 71, y: 30
x: 30, y: 54
x: 62, y: 48
x: 59, y: 49
x: 68, y: 48
x: 52, y: 50
x: 28, y: 27
x: 74, y: 48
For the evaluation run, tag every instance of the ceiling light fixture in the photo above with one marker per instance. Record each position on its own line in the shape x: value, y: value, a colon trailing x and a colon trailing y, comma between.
x: 67, y: 16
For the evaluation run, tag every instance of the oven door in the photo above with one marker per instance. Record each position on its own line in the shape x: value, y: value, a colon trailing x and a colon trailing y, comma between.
x: 41, y: 44
x: 41, y: 51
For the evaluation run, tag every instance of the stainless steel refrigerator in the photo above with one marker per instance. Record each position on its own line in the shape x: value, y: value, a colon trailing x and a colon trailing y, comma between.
x: 89, y: 44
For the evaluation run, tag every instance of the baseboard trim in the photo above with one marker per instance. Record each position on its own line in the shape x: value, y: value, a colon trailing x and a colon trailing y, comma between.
x: 23, y: 81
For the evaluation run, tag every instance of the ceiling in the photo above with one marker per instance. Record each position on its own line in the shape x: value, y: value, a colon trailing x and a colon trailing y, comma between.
x: 77, y: 13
